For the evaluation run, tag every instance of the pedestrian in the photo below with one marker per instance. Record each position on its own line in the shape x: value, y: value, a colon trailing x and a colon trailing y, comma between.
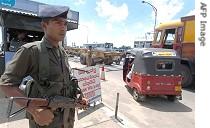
x: 45, y: 61
x: 131, y: 66
x: 17, y: 42
x: 89, y: 56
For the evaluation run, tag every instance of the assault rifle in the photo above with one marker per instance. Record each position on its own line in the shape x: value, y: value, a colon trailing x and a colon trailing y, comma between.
x: 52, y: 103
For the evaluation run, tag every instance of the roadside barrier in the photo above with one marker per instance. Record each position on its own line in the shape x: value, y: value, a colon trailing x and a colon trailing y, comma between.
x: 102, y: 73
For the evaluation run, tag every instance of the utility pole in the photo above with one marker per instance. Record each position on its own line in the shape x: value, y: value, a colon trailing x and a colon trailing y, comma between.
x: 154, y: 9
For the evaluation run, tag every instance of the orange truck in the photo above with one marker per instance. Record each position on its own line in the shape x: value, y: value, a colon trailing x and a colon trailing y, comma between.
x: 180, y: 36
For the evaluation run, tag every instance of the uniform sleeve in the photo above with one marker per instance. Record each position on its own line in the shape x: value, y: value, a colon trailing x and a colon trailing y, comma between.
x: 17, y: 68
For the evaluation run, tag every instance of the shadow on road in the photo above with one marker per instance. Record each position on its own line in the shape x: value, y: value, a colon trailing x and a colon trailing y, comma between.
x: 89, y: 111
x: 3, y: 112
x: 191, y: 88
x: 161, y: 103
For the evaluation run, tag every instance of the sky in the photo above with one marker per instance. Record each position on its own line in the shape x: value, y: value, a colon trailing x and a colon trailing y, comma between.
x: 120, y: 21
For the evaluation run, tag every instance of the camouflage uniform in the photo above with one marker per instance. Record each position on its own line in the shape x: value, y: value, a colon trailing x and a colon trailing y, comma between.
x: 26, y: 62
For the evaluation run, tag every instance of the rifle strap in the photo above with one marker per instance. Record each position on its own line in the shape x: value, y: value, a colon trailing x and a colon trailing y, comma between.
x: 66, y: 72
x: 43, y: 62
x: 44, y: 74
x: 43, y: 66
x: 66, y: 117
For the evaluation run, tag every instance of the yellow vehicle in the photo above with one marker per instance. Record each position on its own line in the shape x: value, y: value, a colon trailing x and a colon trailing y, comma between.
x: 180, y: 36
x: 100, y: 53
x: 73, y: 51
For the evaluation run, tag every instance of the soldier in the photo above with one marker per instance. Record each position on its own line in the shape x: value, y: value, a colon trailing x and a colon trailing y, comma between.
x: 89, y: 56
x: 46, y: 63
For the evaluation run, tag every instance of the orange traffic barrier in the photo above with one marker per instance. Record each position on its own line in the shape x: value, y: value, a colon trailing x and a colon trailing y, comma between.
x: 102, y: 73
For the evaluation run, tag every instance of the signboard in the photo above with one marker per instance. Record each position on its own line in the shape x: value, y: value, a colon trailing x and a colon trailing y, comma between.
x: 9, y: 3
x: 89, y: 82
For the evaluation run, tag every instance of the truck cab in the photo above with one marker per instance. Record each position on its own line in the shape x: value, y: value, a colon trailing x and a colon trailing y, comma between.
x: 180, y: 36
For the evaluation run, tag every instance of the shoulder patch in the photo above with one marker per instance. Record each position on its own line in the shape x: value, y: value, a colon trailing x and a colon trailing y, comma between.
x: 32, y: 44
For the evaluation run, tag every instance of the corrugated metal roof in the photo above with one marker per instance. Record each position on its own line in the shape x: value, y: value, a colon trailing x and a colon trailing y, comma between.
x: 31, y: 8
x: 18, y: 11
x: 24, y: 7
x: 28, y: 7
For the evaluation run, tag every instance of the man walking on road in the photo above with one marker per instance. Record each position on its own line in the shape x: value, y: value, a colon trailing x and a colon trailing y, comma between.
x: 89, y: 56
x: 45, y: 61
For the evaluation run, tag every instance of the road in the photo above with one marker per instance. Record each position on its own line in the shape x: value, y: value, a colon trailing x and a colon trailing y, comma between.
x: 155, y: 112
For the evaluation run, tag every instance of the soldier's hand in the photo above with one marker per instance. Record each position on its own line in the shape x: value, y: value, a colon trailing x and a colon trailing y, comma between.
x: 42, y: 116
x: 82, y: 104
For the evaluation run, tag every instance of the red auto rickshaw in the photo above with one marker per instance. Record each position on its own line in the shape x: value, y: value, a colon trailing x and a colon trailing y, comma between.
x: 153, y: 71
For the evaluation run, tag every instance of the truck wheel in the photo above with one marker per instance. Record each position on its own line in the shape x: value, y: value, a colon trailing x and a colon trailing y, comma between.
x: 110, y: 63
x: 93, y: 62
x: 107, y: 61
x: 83, y: 60
x: 118, y: 62
x: 171, y: 98
x: 187, y: 76
x: 137, y: 96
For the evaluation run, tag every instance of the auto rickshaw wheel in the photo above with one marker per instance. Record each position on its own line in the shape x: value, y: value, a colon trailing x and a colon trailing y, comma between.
x: 171, y: 98
x: 137, y: 96
x: 187, y: 76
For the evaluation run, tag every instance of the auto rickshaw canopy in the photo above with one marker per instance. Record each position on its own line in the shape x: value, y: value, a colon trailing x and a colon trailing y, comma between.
x: 156, y: 61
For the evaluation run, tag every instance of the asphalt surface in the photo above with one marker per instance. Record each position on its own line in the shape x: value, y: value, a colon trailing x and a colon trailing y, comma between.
x: 155, y: 112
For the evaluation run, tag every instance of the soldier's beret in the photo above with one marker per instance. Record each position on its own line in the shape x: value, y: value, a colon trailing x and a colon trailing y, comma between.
x: 52, y: 11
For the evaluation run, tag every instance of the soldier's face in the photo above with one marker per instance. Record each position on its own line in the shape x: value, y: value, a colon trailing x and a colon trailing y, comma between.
x: 56, y: 28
